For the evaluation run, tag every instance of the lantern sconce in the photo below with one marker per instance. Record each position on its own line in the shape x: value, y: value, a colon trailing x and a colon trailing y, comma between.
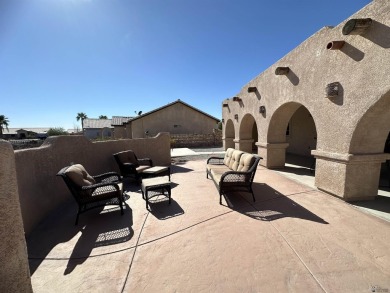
x: 237, y: 99
x: 236, y: 116
x: 335, y: 45
x: 356, y: 26
x: 262, y: 109
x: 282, y: 70
x: 223, y: 120
x: 332, y: 90
x: 252, y: 89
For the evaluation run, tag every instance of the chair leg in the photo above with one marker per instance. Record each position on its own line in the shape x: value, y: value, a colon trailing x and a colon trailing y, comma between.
x: 121, y: 204
x: 77, y: 219
x: 220, y: 198
x: 169, y: 195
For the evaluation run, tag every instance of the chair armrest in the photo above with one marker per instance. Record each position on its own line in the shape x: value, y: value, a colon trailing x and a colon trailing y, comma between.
x: 93, y: 187
x: 108, y: 177
x: 145, y: 161
x: 212, y: 160
x: 236, y: 176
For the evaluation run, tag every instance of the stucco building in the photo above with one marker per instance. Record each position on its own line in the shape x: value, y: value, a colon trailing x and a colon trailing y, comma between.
x: 328, y: 98
x: 176, y: 118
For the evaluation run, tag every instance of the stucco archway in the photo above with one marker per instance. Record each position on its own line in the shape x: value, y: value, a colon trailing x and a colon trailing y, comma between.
x: 248, y: 134
x: 291, y: 129
x: 229, y: 135
x: 370, y: 141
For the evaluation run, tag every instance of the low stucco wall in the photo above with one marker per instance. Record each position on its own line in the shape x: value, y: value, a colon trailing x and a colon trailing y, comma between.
x: 41, y: 191
x: 14, y: 272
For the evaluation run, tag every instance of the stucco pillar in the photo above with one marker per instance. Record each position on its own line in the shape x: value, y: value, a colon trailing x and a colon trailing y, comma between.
x: 273, y: 154
x: 227, y: 142
x: 350, y: 177
x: 244, y: 145
x: 14, y: 272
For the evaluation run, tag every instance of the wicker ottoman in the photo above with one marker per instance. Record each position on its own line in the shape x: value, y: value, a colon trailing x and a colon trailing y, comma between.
x: 152, y: 187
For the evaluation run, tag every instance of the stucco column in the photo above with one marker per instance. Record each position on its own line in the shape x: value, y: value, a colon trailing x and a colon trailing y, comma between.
x: 351, y: 177
x: 273, y: 154
x: 244, y: 145
x: 227, y: 142
x: 14, y: 272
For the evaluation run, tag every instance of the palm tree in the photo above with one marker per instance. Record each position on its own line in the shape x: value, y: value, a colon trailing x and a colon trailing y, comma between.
x: 81, y: 116
x: 3, y: 122
x: 103, y: 117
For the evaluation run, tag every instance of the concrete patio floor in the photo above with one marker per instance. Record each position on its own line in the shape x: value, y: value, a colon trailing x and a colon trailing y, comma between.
x: 294, y: 238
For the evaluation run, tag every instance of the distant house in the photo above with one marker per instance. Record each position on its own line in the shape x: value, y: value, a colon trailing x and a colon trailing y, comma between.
x: 118, y: 122
x: 24, y: 133
x: 176, y: 118
x: 97, y: 128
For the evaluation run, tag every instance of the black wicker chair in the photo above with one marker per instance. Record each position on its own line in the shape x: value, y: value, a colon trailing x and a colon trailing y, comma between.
x: 92, y: 191
x: 131, y: 166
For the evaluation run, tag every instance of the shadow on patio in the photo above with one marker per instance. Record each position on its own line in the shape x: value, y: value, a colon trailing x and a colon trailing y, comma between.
x: 270, y: 205
x: 58, y: 238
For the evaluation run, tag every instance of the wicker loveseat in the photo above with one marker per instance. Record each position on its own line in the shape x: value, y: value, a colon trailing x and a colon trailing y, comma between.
x: 234, y: 172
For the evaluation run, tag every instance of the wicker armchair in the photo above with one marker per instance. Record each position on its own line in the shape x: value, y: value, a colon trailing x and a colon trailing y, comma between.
x: 130, y: 165
x: 92, y: 191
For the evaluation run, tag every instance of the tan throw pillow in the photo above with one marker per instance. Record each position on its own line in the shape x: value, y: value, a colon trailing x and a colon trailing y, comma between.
x: 79, y: 175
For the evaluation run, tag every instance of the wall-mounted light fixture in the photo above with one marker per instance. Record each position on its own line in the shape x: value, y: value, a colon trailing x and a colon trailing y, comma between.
x: 237, y: 99
x: 356, y: 26
x: 282, y: 70
x: 332, y: 90
x: 223, y: 120
x: 236, y: 116
x: 262, y: 109
x: 335, y: 45
x: 252, y: 89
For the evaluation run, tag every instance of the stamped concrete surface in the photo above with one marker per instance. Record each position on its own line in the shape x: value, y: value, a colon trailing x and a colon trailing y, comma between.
x: 294, y: 238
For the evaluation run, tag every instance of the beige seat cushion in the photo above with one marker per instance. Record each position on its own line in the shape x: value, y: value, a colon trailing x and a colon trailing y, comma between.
x: 218, y: 172
x: 79, y: 175
x: 228, y: 156
x: 246, y: 162
x: 235, y: 160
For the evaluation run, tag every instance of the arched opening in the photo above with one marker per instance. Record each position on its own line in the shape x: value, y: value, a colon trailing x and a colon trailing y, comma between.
x: 301, y: 136
x: 229, y: 135
x: 293, y: 126
x: 248, y: 134
x: 372, y: 137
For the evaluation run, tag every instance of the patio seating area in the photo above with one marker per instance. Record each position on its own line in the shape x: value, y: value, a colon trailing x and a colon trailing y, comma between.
x: 294, y: 238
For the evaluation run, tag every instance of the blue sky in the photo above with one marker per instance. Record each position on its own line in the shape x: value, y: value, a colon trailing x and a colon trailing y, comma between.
x: 114, y: 57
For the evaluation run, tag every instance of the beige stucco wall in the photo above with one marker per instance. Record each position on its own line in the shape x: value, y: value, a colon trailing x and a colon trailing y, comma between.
x: 187, y: 120
x: 120, y: 132
x: 14, y: 272
x: 356, y: 122
x: 41, y: 191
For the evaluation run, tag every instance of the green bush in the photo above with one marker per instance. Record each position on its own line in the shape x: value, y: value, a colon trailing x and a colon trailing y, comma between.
x: 57, y: 131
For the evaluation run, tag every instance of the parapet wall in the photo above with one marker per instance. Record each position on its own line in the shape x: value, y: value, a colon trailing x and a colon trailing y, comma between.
x: 41, y: 191
x: 14, y: 272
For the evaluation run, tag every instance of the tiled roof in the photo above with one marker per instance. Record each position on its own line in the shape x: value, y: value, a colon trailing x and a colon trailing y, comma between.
x: 97, y: 123
x: 119, y: 120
